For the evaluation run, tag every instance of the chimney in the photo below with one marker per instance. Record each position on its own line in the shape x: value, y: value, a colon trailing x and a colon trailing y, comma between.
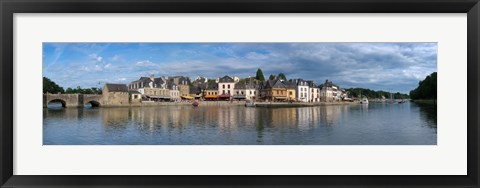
x: 152, y: 77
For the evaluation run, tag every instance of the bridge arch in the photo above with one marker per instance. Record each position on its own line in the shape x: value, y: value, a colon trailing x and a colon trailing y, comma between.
x: 93, y: 103
x: 63, y: 102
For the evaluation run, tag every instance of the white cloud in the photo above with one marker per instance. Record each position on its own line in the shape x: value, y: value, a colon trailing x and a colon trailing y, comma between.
x: 145, y: 63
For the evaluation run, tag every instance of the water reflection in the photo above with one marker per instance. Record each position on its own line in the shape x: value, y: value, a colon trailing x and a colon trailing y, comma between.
x: 342, y: 124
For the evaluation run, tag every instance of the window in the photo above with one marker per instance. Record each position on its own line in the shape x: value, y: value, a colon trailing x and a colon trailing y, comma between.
x: 278, y: 92
x: 250, y: 92
x: 228, y: 91
x: 223, y: 86
x: 228, y: 86
x: 291, y: 93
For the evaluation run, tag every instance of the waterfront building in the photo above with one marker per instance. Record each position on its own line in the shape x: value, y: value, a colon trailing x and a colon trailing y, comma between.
x: 314, y: 92
x: 174, y: 92
x: 196, y: 92
x: 245, y: 91
x: 328, y: 91
x: 183, y: 84
x: 226, y: 85
x: 303, y: 90
x: 135, y: 96
x: 115, y: 94
x: 239, y: 91
x: 291, y: 91
x: 274, y: 90
x: 211, y: 91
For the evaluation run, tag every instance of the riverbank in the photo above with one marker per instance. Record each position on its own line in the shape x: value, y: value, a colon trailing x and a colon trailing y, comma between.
x: 425, y: 101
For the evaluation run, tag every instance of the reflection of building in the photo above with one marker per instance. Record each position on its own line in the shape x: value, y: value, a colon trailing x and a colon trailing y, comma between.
x: 115, y: 95
x: 115, y: 118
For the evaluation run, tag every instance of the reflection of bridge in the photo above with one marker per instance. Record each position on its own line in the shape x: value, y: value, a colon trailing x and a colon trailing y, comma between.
x: 73, y: 100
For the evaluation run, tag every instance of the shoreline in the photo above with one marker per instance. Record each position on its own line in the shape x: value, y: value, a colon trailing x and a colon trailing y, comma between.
x: 233, y: 103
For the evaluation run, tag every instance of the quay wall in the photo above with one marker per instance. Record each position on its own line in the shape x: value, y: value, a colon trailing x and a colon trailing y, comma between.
x: 286, y: 104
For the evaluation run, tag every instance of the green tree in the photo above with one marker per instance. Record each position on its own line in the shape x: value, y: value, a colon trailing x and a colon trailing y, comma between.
x: 282, y: 76
x: 51, y: 87
x: 272, y: 77
x: 259, y: 75
x: 427, y: 88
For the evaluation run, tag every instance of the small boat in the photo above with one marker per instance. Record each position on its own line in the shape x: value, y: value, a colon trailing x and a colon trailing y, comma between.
x: 400, y: 102
x: 195, y: 104
x: 250, y: 104
x: 364, y: 100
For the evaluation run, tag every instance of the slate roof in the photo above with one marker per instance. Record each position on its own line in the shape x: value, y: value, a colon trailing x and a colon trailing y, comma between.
x: 116, y: 87
x: 158, y: 82
x: 290, y: 85
x: 240, y: 86
x: 212, y: 86
x: 170, y: 84
x: 327, y: 84
x: 226, y: 79
x: 274, y: 84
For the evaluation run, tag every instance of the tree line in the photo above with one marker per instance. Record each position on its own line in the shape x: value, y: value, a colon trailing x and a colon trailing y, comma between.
x: 427, y: 88
x: 372, y: 94
x: 50, y: 86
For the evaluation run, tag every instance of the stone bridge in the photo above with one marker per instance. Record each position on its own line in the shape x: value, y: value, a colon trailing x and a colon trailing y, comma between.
x: 73, y: 100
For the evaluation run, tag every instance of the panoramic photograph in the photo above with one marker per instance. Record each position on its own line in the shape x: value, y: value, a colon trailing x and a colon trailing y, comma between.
x: 232, y: 93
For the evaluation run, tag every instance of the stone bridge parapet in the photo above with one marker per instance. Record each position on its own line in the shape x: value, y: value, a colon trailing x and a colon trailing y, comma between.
x: 72, y: 100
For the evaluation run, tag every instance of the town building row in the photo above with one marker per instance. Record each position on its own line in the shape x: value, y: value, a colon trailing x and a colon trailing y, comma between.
x: 228, y: 88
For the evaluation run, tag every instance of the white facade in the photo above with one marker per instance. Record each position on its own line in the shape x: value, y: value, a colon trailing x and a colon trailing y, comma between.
x: 303, y: 91
x: 175, y: 93
x: 226, y: 88
x: 314, y: 94
x: 251, y: 94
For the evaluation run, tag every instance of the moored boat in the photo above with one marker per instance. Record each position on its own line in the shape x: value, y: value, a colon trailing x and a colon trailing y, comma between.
x: 364, y: 100
x: 195, y: 104
x: 250, y: 104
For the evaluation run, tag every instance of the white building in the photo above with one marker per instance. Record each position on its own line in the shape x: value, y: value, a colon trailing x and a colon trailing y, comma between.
x: 303, y: 90
x: 245, y: 91
x: 226, y: 85
x: 314, y: 92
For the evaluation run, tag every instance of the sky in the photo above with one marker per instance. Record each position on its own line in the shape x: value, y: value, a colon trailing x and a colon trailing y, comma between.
x: 393, y: 67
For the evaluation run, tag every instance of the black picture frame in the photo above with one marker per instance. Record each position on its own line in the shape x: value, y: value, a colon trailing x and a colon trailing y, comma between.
x: 9, y: 7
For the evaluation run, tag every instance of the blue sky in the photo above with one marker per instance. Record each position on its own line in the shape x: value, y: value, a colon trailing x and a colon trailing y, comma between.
x: 379, y: 66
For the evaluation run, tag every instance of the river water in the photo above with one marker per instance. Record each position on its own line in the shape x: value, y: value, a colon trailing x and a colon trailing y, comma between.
x: 372, y: 124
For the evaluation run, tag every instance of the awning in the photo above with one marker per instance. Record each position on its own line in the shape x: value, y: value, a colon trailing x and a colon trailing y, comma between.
x: 211, y: 96
x: 187, y: 97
